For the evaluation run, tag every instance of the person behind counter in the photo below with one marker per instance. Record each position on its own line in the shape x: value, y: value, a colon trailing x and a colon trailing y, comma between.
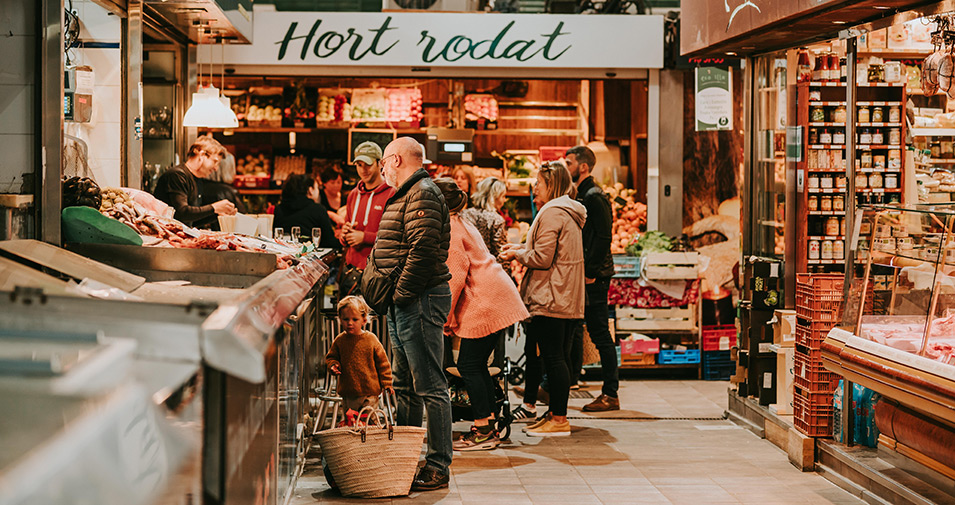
x: 331, y: 194
x: 300, y: 207
x: 180, y: 187
x: 464, y: 177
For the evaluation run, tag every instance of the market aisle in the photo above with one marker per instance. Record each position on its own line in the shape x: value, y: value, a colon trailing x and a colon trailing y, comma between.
x: 687, y: 455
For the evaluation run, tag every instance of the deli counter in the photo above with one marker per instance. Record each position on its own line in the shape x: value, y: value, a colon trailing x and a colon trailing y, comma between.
x: 897, y: 336
x: 217, y: 351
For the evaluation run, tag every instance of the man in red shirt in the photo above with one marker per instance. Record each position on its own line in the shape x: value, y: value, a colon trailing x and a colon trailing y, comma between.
x: 365, y: 205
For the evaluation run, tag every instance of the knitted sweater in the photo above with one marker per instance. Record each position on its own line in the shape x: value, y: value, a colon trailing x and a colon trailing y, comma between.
x: 364, y: 366
x: 483, y: 297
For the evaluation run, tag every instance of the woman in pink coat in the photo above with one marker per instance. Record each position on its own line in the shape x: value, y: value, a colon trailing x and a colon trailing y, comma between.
x: 484, y: 303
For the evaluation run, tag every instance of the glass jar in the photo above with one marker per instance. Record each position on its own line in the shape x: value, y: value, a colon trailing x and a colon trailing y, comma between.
x: 842, y: 226
x: 839, y: 114
x: 865, y: 137
x: 863, y: 114
x: 891, y: 181
x: 841, y: 182
x: 813, y: 136
x: 813, y: 249
x: 825, y: 203
x: 866, y: 162
x: 825, y: 182
x: 825, y: 137
x: 895, y: 159
x: 877, y: 137
x: 817, y: 114
x: 877, y: 114
x: 832, y: 225
x: 876, y: 73
x: 821, y: 71
x: 838, y: 249
x: 875, y: 180
x: 861, y: 180
x: 838, y: 203
x: 813, y: 182
x: 878, y: 161
x: 839, y: 137
x: 813, y: 203
x: 825, y: 250
x: 895, y: 136
x: 803, y: 67
x: 895, y: 114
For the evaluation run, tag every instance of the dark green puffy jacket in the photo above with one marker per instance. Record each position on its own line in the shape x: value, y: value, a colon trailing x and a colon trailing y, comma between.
x: 416, y: 229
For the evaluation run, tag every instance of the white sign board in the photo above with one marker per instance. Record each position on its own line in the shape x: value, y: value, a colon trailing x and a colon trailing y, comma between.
x: 714, y: 99
x: 416, y: 39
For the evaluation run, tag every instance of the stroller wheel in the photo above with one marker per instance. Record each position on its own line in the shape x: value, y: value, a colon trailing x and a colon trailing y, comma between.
x: 503, y: 428
x: 516, y: 377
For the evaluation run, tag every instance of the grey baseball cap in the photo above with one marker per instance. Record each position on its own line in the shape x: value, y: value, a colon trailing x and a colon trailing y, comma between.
x: 367, y: 152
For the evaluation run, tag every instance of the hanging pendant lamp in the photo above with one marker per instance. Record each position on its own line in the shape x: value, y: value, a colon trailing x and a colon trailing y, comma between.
x: 209, y: 109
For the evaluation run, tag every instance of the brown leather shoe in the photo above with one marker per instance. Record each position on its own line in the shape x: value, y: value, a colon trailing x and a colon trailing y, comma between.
x: 603, y: 403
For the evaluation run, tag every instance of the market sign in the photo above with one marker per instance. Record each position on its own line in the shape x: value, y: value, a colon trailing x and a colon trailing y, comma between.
x: 714, y: 99
x: 404, y: 39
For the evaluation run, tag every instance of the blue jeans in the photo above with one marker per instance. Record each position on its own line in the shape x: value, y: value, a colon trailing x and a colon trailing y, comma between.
x: 417, y: 333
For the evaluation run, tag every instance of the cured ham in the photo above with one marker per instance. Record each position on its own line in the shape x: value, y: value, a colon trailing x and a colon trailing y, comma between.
x: 930, y: 73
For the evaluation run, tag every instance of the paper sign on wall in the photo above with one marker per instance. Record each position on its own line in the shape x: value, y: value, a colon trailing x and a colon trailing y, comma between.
x: 714, y: 99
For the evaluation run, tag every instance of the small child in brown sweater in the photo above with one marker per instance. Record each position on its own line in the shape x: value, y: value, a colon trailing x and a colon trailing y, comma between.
x: 358, y: 357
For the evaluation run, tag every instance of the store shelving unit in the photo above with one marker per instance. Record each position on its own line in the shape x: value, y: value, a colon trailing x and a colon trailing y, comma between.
x: 821, y: 196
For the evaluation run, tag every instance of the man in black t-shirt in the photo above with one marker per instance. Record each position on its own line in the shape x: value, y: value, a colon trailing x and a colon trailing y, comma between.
x: 180, y: 187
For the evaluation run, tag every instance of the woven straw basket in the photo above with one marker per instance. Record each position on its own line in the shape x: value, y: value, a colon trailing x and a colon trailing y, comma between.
x: 372, y: 460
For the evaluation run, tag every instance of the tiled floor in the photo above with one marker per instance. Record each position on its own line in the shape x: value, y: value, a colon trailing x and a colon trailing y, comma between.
x: 687, y: 455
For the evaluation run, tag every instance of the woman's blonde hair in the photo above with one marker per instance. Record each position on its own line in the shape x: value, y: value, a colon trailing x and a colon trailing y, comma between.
x: 558, y: 180
x: 355, y: 303
x: 488, y: 191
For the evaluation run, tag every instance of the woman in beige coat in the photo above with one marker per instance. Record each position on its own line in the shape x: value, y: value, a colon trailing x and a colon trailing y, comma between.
x: 553, y: 290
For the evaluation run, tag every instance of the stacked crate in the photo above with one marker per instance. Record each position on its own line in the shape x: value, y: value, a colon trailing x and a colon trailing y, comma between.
x: 755, y: 359
x: 716, y: 342
x: 818, y: 309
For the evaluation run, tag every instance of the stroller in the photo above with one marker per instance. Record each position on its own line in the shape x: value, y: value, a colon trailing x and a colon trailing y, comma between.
x: 500, y: 369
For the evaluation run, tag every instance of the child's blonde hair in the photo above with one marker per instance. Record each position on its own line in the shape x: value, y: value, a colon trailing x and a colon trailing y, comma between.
x: 355, y: 303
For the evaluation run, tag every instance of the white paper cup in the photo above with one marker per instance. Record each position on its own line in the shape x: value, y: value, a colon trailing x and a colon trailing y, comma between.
x: 227, y: 223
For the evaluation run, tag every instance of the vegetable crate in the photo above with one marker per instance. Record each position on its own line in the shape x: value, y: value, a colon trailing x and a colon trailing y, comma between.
x: 718, y: 338
x: 651, y: 346
x: 717, y: 365
x: 642, y: 319
x: 670, y: 357
x: 819, y: 296
x: 671, y: 265
x: 627, y: 267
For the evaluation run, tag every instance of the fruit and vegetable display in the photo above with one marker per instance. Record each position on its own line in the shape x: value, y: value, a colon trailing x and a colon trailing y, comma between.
x: 333, y: 106
x: 265, y: 106
x: 629, y: 217
x: 368, y: 105
x: 253, y: 165
x: 301, y: 108
x: 480, y: 106
x: 81, y: 191
x: 404, y: 104
x: 650, y: 242
x: 267, y: 114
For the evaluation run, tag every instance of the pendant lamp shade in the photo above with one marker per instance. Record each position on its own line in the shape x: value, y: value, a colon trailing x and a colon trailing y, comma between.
x: 209, y: 110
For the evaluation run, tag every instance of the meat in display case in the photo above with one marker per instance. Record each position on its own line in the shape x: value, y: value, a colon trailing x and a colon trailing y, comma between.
x: 898, y: 331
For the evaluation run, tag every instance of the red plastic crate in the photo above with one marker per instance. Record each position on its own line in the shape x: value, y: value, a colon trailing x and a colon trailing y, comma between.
x: 821, y: 399
x: 719, y: 338
x: 651, y: 346
x: 819, y: 296
x: 813, y: 334
x: 812, y: 420
x: 810, y: 375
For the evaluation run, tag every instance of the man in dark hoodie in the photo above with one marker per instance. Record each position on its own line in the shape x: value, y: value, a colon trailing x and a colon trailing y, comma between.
x: 598, y: 269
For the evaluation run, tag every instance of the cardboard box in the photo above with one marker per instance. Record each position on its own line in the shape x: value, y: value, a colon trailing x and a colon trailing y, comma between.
x: 784, y: 328
x: 785, y: 362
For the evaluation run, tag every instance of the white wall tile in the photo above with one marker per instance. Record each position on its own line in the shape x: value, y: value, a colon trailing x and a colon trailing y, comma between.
x: 107, y: 104
x: 16, y: 109
x: 106, y: 63
x: 17, y: 62
x: 97, y: 24
x: 104, y: 140
x: 18, y: 159
x: 18, y: 17
x: 106, y: 171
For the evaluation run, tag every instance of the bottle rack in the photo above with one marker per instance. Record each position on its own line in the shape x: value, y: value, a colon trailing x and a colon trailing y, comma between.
x: 880, y: 130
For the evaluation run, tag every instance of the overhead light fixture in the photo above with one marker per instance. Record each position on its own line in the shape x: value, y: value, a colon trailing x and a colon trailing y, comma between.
x: 839, y: 22
x: 881, y: 7
x: 730, y: 53
x: 209, y: 109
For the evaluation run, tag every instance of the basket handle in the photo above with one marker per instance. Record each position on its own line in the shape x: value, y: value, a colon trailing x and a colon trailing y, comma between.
x: 377, y: 415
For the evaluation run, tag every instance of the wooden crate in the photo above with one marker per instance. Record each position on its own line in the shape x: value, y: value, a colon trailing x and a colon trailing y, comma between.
x: 671, y: 265
x: 638, y: 359
x: 640, y: 319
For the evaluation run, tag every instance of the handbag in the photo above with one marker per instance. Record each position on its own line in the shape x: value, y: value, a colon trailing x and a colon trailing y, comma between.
x: 350, y: 282
x: 378, y: 287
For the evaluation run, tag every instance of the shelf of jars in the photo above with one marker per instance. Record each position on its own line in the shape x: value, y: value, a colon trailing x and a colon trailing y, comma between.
x: 878, y: 165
